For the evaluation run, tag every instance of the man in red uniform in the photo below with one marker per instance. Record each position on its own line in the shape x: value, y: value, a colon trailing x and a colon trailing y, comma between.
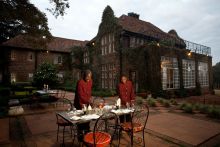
x: 82, y: 96
x: 125, y: 90
x: 83, y: 90
x: 126, y: 94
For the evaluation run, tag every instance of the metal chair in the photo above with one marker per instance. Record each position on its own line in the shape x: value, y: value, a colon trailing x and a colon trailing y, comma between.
x: 62, y: 123
x: 64, y: 104
x: 103, y: 131
x: 138, y: 123
x: 97, y: 101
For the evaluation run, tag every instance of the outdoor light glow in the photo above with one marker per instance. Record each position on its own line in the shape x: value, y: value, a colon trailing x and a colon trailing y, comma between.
x: 93, y: 43
x: 189, y: 54
x: 47, y: 51
x: 158, y: 44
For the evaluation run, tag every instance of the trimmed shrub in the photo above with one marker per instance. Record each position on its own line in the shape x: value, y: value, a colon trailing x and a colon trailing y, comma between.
x: 103, y: 93
x: 182, y: 105
x: 173, y: 101
x: 204, y: 109
x: 151, y: 102
x: 166, y: 103
x: 196, y: 106
x: 214, y: 112
x: 160, y: 100
x: 188, y: 108
x: 139, y: 100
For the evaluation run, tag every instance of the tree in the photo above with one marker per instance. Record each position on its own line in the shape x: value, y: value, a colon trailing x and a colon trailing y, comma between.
x: 216, y: 75
x: 109, y: 21
x: 22, y: 17
x: 46, y: 74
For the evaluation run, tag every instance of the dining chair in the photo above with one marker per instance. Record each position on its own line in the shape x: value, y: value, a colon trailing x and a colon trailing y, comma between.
x: 64, y: 104
x: 137, y: 124
x: 62, y: 123
x: 97, y: 101
x: 103, y: 131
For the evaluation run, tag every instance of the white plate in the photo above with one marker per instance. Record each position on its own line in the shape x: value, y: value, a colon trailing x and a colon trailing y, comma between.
x: 75, y: 118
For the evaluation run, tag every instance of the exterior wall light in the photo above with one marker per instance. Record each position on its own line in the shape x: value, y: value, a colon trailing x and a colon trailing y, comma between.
x: 190, y: 53
x: 158, y: 44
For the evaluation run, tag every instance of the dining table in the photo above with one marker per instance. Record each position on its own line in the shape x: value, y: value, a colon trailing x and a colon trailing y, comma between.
x: 79, y: 116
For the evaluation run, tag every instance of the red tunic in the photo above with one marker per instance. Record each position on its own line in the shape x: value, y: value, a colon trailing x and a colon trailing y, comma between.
x: 126, y: 92
x: 83, y: 93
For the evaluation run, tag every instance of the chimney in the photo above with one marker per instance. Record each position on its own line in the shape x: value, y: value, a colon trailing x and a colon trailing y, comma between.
x: 135, y: 15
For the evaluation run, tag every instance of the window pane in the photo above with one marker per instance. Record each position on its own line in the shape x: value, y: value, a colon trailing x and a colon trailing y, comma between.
x: 169, y: 73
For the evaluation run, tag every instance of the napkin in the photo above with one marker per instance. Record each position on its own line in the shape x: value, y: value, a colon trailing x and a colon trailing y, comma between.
x: 90, y: 116
x: 89, y: 108
x: 118, y: 102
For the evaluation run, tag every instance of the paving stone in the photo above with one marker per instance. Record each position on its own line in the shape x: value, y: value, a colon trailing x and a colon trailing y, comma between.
x: 187, y: 129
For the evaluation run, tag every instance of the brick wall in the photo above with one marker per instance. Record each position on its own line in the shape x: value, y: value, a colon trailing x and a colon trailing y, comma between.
x: 22, y: 66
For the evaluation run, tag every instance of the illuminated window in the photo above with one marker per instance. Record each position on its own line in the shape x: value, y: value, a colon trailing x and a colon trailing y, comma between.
x: 13, y: 77
x: 13, y: 55
x: 169, y: 73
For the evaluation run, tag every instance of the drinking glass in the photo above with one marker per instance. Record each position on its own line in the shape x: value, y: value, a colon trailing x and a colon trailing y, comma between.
x: 128, y: 105
x: 132, y: 104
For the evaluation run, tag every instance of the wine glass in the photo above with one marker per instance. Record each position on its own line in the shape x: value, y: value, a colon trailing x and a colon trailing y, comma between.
x: 132, y: 104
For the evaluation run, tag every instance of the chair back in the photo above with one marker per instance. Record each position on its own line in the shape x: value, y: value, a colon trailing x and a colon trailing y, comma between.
x: 105, y: 123
x: 97, y: 101
x: 62, y: 94
x: 140, y: 115
x: 64, y: 104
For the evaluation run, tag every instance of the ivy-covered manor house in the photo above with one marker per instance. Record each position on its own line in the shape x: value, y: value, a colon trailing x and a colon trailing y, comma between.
x: 156, y: 61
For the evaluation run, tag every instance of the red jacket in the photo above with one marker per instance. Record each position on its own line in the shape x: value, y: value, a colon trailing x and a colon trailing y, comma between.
x: 83, y: 93
x: 126, y: 92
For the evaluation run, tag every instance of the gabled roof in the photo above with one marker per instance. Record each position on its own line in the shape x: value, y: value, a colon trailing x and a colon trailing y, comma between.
x: 136, y: 25
x: 56, y: 44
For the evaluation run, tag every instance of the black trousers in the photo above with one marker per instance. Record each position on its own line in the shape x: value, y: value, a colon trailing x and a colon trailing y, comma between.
x: 125, y: 118
x: 82, y: 129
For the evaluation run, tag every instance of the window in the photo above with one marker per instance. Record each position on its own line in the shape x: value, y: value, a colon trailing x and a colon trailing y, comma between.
x: 60, y: 76
x: 86, y: 57
x: 203, y: 74
x: 13, y: 55
x: 13, y: 77
x: 189, y: 80
x: 30, y: 56
x: 30, y: 76
x: 108, y: 74
x: 169, y: 73
x: 107, y: 44
x: 59, y: 59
